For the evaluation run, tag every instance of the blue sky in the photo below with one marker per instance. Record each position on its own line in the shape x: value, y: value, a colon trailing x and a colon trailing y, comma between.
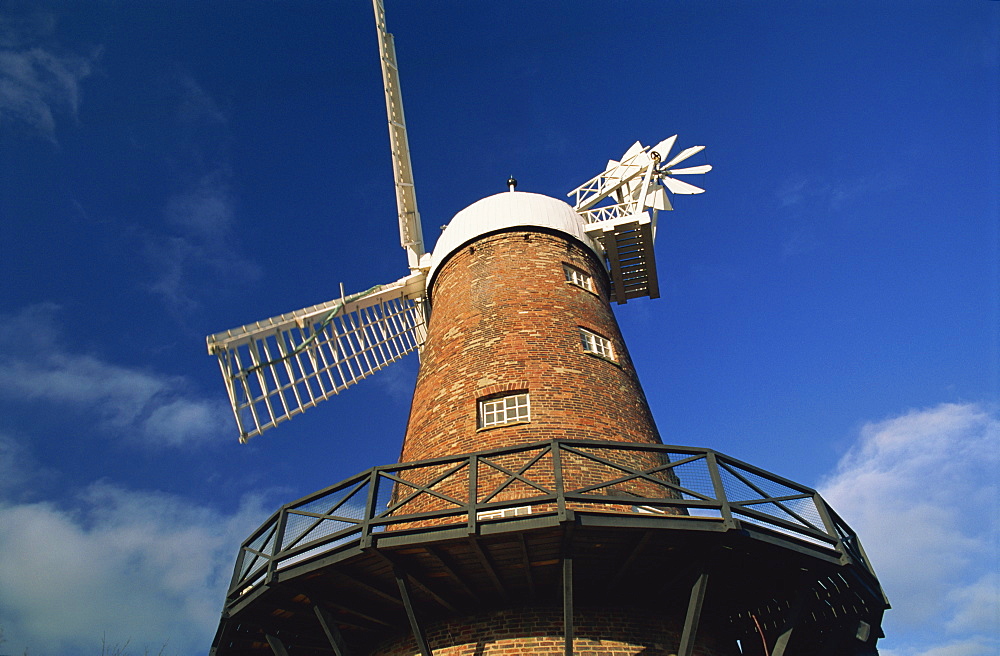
x: 172, y: 169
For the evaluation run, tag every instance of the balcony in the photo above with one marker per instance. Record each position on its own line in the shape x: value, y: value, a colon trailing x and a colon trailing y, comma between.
x: 497, y: 528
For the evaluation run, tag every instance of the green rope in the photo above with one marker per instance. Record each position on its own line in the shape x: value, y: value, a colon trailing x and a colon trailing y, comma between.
x: 322, y: 326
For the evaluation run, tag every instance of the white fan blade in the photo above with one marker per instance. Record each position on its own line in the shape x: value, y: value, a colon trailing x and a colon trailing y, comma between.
x: 664, y: 147
x: 678, y: 187
x: 613, y: 170
x: 683, y: 155
x: 277, y: 368
x: 632, y: 188
x: 634, y: 149
x: 704, y: 168
x: 657, y: 199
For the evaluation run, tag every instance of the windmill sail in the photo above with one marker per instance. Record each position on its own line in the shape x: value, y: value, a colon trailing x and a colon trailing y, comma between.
x: 411, y: 235
x: 276, y: 368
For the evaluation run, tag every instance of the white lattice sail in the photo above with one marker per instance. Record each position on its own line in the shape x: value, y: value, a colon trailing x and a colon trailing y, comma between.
x: 278, y: 367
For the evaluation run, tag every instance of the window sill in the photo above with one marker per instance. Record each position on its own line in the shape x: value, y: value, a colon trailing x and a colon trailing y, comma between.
x: 589, y: 291
x: 509, y: 423
x: 602, y: 357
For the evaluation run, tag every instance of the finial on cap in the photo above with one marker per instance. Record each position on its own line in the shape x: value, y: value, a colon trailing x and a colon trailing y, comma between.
x: 511, y: 183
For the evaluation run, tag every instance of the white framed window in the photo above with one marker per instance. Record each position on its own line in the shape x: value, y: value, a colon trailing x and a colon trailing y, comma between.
x: 504, y: 513
x: 594, y: 343
x: 504, y: 410
x: 579, y: 278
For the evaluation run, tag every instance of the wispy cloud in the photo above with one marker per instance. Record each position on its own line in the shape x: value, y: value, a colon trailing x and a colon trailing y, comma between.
x: 143, y: 567
x: 199, y: 240
x: 38, y: 84
x: 20, y: 473
x: 135, y: 404
x: 921, y: 490
x: 812, y: 201
x: 202, y: 244
x: 831, y: 195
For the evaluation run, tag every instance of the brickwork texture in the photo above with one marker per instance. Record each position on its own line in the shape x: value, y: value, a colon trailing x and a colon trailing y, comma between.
x: 505, y: 320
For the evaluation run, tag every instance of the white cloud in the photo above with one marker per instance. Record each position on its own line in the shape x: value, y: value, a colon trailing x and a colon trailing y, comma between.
x: 921, y: 491
x: 37, y: 84
x: 203, y: 246
x: 196, y: 106
x: 143, y: 567
x: 142, y: 405
x: 204, y: 210
x: 973, y: 647
x: 830, y: 195
x: 794, y: 191
x: 19, y: 471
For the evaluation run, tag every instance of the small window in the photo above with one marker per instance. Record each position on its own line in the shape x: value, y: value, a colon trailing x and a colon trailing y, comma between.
x: 577, y: 277
x: 504, y: 410
x: 503, y: 513
x: 594, y: 343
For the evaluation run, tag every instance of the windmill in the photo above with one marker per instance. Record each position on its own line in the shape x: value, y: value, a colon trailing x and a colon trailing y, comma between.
x: 535, y: 508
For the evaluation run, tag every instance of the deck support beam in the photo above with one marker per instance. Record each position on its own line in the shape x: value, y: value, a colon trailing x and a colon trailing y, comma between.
x: 277, y: 646
x: 332, y: 632
x: 567, y: 584
x: 404, y: 593
x: 526, y: 559
x: 417, y: 582
x: 484, y: 560
x: 450, y: 569
x: 693, y: 615
x: 618, y: 576
x: 795, y: 612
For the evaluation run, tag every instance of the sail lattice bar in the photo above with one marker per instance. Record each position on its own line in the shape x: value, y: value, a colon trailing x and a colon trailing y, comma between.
x: 278, y: 367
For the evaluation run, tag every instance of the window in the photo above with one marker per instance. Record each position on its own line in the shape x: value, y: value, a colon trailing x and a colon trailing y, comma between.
x: 577, y: 277
x: 649, y: 510
x: 504, y: 410
x: 594, y: 343
x: 503, y: 513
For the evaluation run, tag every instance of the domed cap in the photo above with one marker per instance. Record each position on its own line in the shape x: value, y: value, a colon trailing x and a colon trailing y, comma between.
x: 508, y: 209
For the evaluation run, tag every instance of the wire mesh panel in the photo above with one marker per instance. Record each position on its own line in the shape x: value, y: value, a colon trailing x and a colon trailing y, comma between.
x: 773, y: 503
x: 276, y: 368
x: 340, y: 512
x: 613, y: 471
x: 438, y: 488
x: 517, y: 475
x: 255, y: 556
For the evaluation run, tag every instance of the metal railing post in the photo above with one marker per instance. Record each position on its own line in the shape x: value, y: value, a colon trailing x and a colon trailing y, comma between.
x: 557, y: 474
x: 279, y: 539
x: 849, y: 552
x: 473, y: 500
x: 234, y: 582
x: 366, y: 522
x: 712, y: 462
x: 830, y: 526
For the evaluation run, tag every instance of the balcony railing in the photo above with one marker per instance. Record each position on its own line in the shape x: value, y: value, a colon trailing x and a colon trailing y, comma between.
x: 556, y: 478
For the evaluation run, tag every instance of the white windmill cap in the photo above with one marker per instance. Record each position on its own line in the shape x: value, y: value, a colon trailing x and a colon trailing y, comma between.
x: 509, y: 209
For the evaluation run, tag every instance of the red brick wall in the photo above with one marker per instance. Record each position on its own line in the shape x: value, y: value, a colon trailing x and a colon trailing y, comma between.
x: 539, y: 631
x: 505, y: 319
